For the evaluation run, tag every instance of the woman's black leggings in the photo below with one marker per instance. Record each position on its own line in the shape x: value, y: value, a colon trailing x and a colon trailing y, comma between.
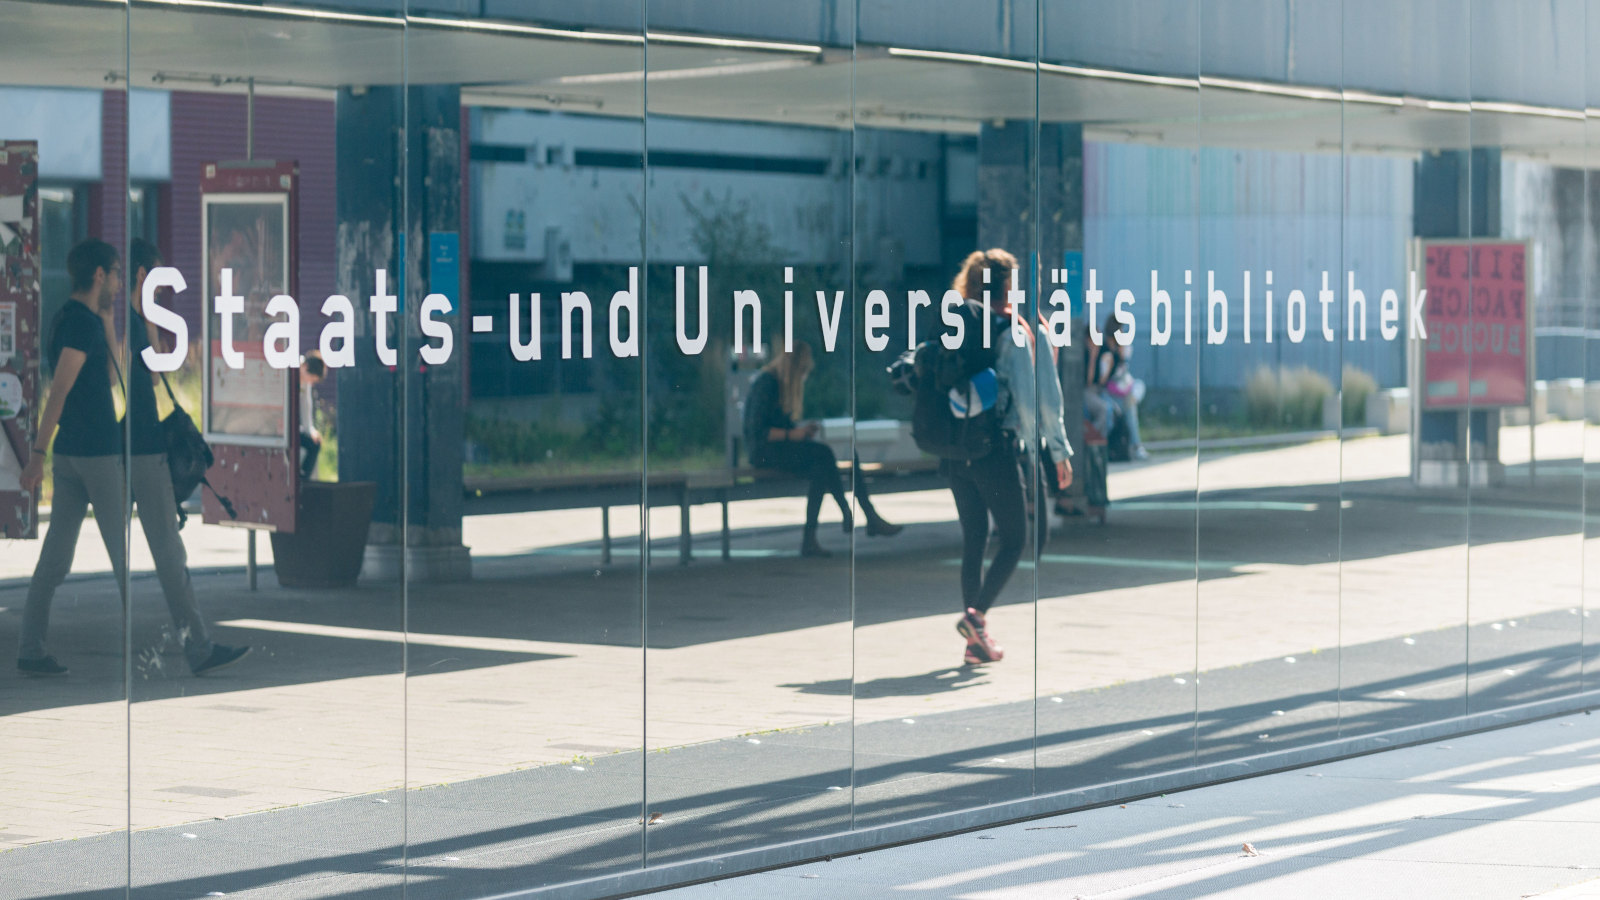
x: 984, y: 487
x: 812, y: 460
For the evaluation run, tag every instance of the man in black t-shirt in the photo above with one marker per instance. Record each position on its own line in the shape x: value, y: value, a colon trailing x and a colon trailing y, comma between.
x: 150, y: 482
x: 88, y: 451
x: 88, y: 462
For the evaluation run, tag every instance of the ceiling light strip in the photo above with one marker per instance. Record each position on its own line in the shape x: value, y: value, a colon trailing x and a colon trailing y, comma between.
x: 1523, y: 109
x: 1113, y: 75
x: 749, y: 68
x: 1369, y: 97
x: 283, y: 11
x: 1262, y: 87
x: 971, y: 58
x: 662, y: 37
x: 527, y: 30
x: 613, y: 37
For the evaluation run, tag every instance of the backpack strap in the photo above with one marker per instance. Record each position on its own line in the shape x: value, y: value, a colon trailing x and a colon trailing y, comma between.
x: 170, y: 395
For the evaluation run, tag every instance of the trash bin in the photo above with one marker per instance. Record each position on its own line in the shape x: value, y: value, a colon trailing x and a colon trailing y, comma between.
x: 330, y: 535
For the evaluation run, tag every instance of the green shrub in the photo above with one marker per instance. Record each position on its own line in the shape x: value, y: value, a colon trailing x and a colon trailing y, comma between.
x: 1286, y: 398
x: 1358, y: 386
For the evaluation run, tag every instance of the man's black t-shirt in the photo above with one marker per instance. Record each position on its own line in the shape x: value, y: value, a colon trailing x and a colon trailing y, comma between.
x: 145, y: 423
x: 88, y: 425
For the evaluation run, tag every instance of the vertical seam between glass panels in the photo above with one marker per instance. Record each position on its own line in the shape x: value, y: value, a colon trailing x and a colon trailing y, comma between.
x: 644, y: 434
x: 1466, y: 182
x: 407, y: 273
x: 850, y: 280
x: 1040, y: 512
x: 1587, y: 291
x: 1194, y: 218
x: 127, y: 486
x: 1344, y: 266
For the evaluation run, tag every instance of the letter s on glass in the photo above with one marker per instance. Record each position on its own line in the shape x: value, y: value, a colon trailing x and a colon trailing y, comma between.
x: 435, y: 305
x: 165, y: 319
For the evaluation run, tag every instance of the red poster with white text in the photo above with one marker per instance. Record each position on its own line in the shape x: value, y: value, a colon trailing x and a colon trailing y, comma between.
x: 1480, y: 324
x: 248, y: 414
x: 19, y: 332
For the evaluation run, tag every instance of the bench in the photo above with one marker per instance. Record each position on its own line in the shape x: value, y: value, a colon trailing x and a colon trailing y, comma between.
x: 491, y: 495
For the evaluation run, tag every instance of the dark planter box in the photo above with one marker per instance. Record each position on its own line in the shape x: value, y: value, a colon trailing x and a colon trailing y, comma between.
x: 330, y: 535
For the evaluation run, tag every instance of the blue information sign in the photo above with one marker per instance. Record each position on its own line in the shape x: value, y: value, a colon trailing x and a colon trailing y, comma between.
x: 444, y: 266
x: 1072, y: 261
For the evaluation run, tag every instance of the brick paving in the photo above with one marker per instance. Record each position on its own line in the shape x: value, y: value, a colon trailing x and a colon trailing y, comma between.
x: 322, y: 710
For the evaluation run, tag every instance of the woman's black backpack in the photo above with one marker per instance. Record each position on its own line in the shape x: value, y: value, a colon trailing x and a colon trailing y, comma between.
x: 929, y: 372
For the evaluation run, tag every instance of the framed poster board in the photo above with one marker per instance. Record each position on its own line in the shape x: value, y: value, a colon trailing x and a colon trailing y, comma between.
x: 248, y: 234
x: 248, y: 215
x: 1479, y: 351
x: 19, y: 332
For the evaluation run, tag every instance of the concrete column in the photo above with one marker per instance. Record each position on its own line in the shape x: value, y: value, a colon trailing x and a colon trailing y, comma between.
x: 1015, y: 159
x: 401, y: 426
x: 1005, y: 186
x: 1456, y: 194
x: 1061, y: 193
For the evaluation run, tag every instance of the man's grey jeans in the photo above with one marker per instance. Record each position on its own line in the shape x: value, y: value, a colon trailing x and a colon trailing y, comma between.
x: 82, y: 481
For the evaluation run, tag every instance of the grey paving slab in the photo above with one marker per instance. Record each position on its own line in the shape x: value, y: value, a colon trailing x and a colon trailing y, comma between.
x: 358, y: 886
x: 1505, y: 813
x: 551, y: 823
x: 14, y: 887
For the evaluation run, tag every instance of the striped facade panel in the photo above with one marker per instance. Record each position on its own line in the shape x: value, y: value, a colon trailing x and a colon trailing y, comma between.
x: 1178, y: 211
x: 211, y: 128
x: 108, y: 199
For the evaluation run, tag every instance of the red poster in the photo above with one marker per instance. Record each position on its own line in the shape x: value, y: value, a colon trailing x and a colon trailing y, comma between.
x: 1479, y: 324
x: 248, y: 414
x: 19, y: 331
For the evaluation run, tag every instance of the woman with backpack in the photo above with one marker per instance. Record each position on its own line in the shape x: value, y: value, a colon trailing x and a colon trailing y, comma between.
x: 775, y: 440
x: 1027, y: 403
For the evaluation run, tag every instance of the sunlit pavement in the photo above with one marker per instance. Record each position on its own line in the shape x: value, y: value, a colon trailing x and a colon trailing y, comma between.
x: 534, y: 672
x: 1512, y: 813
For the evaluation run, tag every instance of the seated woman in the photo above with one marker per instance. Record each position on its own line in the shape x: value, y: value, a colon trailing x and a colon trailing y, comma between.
x: 1110, y: 390
x: 774, y: 441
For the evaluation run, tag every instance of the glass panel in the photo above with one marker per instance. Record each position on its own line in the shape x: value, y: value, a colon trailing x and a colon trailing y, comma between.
x: 63, y: 193
x: 1591, y: 374
x: 1526, y: 281
x: 748, y: 659
x: 1116, y: 586
x: 524, y: 702
x: 1403, y: 526
x: 934, y: 734
x: 274, y: 184
x: 1271, y: 187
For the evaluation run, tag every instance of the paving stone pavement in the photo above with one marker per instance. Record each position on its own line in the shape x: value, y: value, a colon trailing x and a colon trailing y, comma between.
x: 537, y: 664
x: 1511, y: 813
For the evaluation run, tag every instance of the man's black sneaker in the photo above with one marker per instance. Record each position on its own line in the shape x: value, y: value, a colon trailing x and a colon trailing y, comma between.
x: 221, y: 657
x: 44, y: 666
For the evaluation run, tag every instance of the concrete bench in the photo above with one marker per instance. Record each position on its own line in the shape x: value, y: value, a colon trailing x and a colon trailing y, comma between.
x: 491, y: 495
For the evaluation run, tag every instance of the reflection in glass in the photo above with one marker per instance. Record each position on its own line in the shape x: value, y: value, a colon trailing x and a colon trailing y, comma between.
x: 1116, y: 686
x: 569, y: 368
x: 945, y: 168
x: 268, y: 154
x: 1403, y: 519
x: 63, y: 714
x: 1526, y: 282
x: 1269, y: 511
x: 524, y: 705
x: 748, y: 649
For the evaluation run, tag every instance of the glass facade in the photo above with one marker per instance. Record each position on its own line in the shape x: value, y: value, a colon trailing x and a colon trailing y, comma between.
x: 639, y: 429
